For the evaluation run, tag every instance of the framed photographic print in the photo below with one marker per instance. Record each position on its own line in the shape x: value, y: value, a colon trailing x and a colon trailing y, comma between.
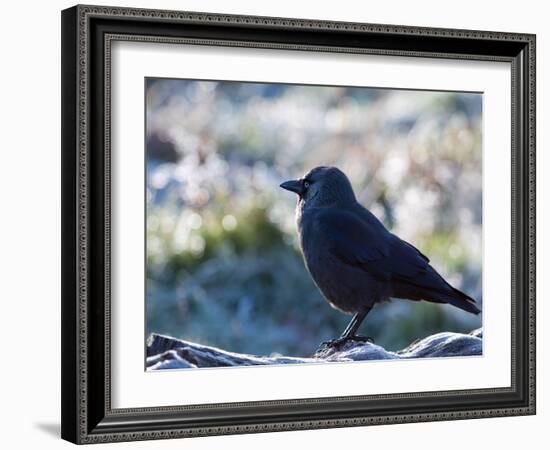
x: 282, y: 224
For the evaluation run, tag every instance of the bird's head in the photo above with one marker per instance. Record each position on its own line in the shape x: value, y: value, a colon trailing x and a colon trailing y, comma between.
x: 322, y: 186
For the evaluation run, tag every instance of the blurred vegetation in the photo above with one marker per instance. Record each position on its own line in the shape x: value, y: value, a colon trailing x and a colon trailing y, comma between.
x: 223, y: 263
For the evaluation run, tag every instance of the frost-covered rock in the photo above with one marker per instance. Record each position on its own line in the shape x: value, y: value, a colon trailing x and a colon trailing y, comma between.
x: 164, y: 352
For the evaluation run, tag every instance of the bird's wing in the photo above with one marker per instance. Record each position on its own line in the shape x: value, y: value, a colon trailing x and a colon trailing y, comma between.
x: 352, y: 240
x: 405, y: 260
x: 422, y: 255
x: 358, y: 243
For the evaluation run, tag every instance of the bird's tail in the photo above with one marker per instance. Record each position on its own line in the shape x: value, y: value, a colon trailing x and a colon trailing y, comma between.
x: 463, y: 301
x: 432, y: 287
x: 450, y: 295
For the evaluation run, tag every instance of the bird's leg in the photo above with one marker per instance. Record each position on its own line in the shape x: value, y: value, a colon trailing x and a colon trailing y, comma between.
x: 351, y: 329
x: 353, y: 326
x: 349, y: 332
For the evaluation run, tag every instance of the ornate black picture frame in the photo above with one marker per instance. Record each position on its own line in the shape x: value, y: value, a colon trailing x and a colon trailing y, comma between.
x: 87, y: 34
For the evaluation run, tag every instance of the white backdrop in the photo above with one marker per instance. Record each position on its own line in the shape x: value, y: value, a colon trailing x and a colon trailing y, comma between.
x: 132, y: 387
x: 30, y: 225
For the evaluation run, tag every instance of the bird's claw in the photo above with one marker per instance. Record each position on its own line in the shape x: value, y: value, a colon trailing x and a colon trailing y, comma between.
x: 340, y: 342
x: 362, y: 339
x: 333, y: 343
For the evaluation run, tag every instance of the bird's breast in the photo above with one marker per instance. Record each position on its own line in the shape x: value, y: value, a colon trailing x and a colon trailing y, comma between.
x: 347, y: 287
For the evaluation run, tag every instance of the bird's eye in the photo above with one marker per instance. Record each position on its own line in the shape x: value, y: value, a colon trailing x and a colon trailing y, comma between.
x: 306, y: 184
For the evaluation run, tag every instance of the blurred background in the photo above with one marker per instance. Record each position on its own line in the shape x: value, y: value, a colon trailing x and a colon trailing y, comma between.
x: 223, y: 262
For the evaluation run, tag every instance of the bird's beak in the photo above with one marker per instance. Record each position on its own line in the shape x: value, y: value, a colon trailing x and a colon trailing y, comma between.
x: 293, y: 186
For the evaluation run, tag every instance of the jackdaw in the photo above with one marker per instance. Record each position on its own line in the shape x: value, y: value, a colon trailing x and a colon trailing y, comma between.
x: 353, y: 259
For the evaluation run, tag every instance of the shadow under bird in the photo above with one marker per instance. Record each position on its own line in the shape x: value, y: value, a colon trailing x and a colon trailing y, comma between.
x: 353, y: 259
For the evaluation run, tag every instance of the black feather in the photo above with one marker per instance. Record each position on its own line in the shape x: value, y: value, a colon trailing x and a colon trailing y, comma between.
x: 354, y: 260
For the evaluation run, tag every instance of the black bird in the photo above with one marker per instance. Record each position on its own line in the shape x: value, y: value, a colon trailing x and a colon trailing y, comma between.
x: 353, y: 259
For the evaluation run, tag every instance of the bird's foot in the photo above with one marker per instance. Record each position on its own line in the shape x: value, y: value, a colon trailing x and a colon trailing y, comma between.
x: 333, y: 343
x: 337, y: 344
x: 359, y: 338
